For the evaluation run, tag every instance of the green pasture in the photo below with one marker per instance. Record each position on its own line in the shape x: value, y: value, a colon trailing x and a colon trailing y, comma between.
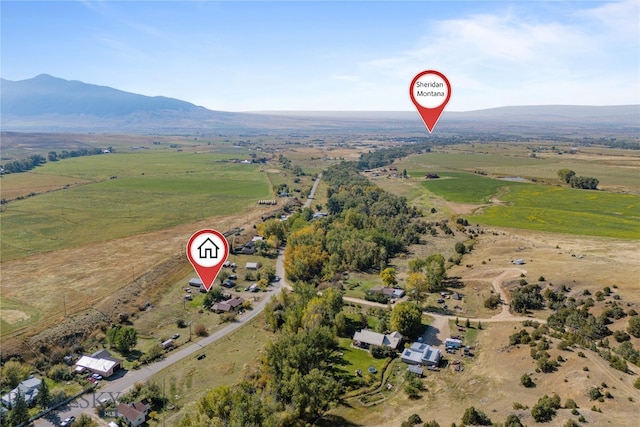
x: 566, y: 210
x: 149, y: 191
x: 543, y: 207
x: 516, y: 162
x: 463, y: 187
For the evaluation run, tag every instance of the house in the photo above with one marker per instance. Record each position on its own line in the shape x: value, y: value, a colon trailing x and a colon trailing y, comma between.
x: 28, y: 389
x: 249, y: 248
x: 101, y: 363
x: 167, y: 344
x: 227, y: 306
x: 252, y: 265
x: 390, y: 292
x: 366, y: 338
x: 208, y: 249
x: 421, y: 354
x: 135, y: 413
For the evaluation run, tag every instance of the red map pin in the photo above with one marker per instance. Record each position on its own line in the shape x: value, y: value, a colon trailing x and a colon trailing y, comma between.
x: 207, y: 251
x: 430, y: 92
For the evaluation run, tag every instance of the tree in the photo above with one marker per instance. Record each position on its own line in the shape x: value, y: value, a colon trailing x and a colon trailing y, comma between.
x: 634, y: 326
x: 526, y: 381
x: 566, y: 175
x: 435, y: 271
x: 85, y: 420
x: 388, y: 276
x: 13, y: 373
x: 406, y: 318
x: 19, y: 413
x: 459, y: 248
x: 473, y: 416
x: 417, y: 285
x: 546, y: 408
x: 513, y: 421
x: 122, y: 338
x: 44, y: 395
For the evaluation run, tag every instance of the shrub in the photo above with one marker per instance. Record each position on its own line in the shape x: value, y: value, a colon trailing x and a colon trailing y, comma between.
x: 546, y: 408
x: 571, y: 423
x: 570, y: 404
x: 513, y: 421
x: 594, y: 393
x: 473, y: 416
x: 200, y: 330
x: 636, y: 384
x: 526, y: 381
x: 492, y: 302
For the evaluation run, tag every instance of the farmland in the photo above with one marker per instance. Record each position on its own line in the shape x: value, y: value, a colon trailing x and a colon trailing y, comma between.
x: 121, y: 195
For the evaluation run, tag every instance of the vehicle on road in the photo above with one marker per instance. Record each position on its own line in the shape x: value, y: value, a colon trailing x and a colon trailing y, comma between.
x: 67, y: 421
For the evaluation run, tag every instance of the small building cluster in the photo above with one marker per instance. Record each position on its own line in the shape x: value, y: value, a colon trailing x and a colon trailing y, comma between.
x: 390, y: 292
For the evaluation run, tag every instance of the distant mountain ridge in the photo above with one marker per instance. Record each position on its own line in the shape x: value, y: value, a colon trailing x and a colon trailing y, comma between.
x: 50, y: 104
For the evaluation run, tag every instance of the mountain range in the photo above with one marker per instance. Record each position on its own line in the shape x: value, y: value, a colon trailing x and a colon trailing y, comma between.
x: 50, y: 104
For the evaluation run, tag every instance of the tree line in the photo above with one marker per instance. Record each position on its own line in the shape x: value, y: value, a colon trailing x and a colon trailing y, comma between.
x: 24, y: 165
x: 582, y: 182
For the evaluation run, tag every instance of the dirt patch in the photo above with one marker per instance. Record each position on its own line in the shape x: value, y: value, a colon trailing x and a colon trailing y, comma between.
x: 13, y: 316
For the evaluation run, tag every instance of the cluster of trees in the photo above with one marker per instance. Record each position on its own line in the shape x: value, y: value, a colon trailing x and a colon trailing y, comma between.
x: 122, y: 338
x: 546, y: 408
x: 24, y: 165
x: 425, y: 275
x: 527, y: 297
x: 297, y: 381
x: 367, y: 227
x: 582, y: 182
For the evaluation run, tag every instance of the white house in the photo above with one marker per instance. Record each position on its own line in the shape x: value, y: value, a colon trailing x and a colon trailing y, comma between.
x: 100, y: 363
x: 135, y: 413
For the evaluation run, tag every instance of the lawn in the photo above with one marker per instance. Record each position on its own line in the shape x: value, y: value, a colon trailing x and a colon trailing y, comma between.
x: 127, y: 194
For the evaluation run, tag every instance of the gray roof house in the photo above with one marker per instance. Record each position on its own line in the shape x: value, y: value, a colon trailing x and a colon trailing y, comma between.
x: 28, y: 389
x: 366, y: 338
x: 421, y: 354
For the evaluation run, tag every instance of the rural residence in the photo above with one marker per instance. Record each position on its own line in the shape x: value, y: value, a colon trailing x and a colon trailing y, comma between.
x: 101, y: 363
x: 421, y: 354
x: 365, y: 338
x: 135, y: 413
x: 28, y: 389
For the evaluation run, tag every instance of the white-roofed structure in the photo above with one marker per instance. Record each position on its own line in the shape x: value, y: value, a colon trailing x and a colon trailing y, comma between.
x: 421, y: 354
x: 104, y: 365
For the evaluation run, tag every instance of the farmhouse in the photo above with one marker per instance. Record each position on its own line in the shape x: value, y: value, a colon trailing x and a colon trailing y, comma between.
x: 366, y: 338
x: 390, y: 292
x: 135, y: 413
x: 421, y: 354
x: 227, y: 306
x: 28, y: 389
x: 101, y: 363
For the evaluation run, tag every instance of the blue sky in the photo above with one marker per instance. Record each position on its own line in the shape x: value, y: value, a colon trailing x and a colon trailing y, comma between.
x: 332, y: 55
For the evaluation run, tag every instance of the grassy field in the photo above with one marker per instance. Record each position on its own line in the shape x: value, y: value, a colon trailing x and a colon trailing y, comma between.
x: 149, y: 191
x: 564, y: 210
x: 463, y: 187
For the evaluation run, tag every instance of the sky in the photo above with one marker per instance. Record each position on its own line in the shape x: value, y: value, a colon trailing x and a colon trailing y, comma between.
x: 332, y: 55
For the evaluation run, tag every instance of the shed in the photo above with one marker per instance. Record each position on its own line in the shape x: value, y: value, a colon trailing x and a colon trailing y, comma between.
x: 252, y: 265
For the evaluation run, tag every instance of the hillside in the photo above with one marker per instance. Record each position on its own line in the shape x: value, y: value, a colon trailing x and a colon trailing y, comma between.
x: 50, y: 104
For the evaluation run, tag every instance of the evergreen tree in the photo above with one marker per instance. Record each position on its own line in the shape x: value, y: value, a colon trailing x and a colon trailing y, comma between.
x: 44, y: 395
x: 19, y: 414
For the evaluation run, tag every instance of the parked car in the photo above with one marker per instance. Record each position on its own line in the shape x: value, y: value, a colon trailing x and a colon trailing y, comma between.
x: 96, y: 376
x: 67, y: 421
x: 175, y: 336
